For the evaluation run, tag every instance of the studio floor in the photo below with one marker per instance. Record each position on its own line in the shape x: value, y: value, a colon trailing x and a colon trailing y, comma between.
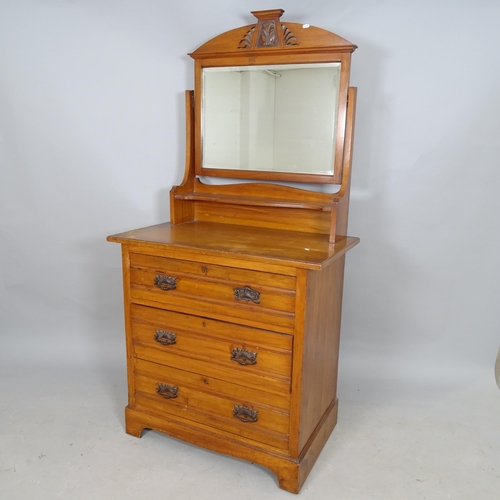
x: 62, y: 436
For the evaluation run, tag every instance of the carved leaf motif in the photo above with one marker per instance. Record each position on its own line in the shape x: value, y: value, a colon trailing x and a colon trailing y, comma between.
x: 290, y: 38
x: 268, y: 37
x: 246, y: 41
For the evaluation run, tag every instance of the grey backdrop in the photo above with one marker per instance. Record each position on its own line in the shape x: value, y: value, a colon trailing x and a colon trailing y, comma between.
x: 92, y: 139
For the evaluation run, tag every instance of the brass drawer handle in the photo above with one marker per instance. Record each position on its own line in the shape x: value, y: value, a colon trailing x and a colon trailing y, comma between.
x: 243, y: 357
x: 245, y: 414
x: 165, y: 338
x: 165, y: 282
x: 166, y: 391
x: 247, y: 294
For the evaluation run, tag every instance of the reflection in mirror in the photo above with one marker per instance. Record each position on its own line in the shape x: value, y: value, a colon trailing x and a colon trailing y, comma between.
x: 275, y: 118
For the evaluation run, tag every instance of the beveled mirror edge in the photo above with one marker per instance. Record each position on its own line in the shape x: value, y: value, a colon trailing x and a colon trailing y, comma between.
x: 270, y: 118
x: 343, y: 59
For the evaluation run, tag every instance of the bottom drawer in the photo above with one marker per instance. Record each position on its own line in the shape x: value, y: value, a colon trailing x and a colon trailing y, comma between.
x: 213, y: 402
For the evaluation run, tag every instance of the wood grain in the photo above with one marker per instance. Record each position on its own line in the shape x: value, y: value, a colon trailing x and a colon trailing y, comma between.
x: 203, y: 240
x: 323, y: 310
x: 210, y: 401
x: 214, y: 273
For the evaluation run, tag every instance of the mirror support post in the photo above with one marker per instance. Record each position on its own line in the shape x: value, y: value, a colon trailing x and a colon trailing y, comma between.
x: 180, y: 210
x: 340, y: 205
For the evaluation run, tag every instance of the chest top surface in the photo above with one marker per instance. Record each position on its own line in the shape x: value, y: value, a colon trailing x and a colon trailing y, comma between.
x: 303, y: 250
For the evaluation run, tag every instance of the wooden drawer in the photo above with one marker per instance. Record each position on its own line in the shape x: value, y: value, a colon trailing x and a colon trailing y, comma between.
x: 256, y: 358
x: 213, y: 271
x: 199, y: 398
x: 220, y: 292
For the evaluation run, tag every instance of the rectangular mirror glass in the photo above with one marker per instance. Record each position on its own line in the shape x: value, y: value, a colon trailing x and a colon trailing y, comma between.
x: 274, y: 118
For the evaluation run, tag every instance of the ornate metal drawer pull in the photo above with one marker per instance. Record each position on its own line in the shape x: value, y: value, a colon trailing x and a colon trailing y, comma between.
x: 166, y: 391
x: 243, y: 357
x: 247, y: 294
x: 245, y: 414
x: 165, y: 282
x: 165, y: 338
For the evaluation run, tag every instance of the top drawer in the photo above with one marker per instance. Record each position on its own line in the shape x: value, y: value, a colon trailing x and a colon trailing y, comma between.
x: 258, y: 298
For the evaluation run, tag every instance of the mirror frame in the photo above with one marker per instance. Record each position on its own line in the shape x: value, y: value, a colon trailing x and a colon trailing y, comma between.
x: 270, y: 41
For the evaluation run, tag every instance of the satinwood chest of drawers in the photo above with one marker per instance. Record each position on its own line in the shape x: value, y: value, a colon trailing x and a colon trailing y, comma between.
x: 231, y: 346
x: 232, y: 310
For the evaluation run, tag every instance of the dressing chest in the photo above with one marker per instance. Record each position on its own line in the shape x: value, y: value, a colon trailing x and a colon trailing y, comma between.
x: 233, y: 308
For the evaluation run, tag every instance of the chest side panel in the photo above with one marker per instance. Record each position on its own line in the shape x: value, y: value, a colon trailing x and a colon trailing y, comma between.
x: 323, y: 310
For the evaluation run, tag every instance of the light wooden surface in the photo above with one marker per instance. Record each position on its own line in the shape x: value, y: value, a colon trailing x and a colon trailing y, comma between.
x: 252, y: 244
x: 293, y: 331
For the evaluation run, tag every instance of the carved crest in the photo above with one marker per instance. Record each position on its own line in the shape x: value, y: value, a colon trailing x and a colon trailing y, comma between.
x: 266, y: 31
x: 268, y: 35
